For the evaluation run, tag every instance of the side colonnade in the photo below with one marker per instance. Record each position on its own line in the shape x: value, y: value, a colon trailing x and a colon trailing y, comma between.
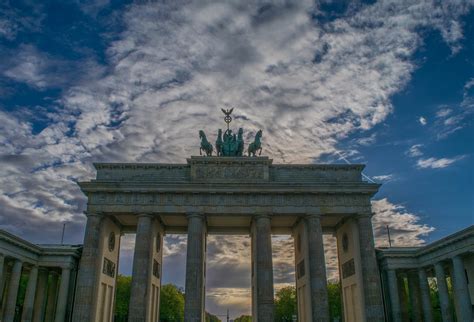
x: 411, y: 274
x: 49, y: 272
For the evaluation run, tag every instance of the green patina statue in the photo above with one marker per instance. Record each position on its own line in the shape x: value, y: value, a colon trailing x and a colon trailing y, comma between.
x: 229, y: 144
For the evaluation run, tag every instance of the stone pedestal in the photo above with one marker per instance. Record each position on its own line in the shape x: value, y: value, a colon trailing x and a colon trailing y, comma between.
x: 195, y: 269
x: 370, y: 273
x: 461, y: 291
x: 262, y: 296
x: 28, y: 303
x: 10, y: 305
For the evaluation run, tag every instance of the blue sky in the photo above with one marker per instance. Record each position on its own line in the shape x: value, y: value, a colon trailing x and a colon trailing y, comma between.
x: 385, y: 83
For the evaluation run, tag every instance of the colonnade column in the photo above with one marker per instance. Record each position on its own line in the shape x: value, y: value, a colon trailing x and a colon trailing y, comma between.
x: 317, y: 269
x: 88, y: 271
x: 461, y: 291
x: 28, y: 303
x: 443, y: 292
x: 195, y: 269
x: 40, y: 297
x: 10, y: 304
x: 262, y: 258
x: 414, y: 293
x: 62, y: 295
x: 370, y: 273
x: 425, y: 295
x: 52, y: 296
x: 394, y: 295
x: 141, y: 269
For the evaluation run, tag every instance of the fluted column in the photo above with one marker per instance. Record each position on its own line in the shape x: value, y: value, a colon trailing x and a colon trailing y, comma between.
x: 443, y: 292
x: 28, y: 303
x: 425, y: 295
x: 52, y: 296
x: 63, y: 295
x: 370, y: 272
x: 414, y: 290
x: 461, y: 291
x: 195, y: 269
x: 264, y: 269
x: 10, y: 305
x: 317, y: 269
x: 394, y: 295
x: 88, y: 270
x: 40, y: 297
x: 141, y: 269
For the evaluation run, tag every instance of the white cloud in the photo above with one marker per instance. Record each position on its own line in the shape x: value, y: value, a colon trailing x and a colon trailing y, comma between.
x: 434, y: 163
x: 422, y: 120
x: 384, y: 177
x: 415, y: 151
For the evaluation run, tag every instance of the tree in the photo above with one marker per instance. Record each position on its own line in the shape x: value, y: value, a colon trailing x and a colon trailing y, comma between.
x: 212, y: 318
x: 122, y: 297
x: 244, y: 318
x: 171, y: 304
x: 334, y: 299
x: 285, y: 304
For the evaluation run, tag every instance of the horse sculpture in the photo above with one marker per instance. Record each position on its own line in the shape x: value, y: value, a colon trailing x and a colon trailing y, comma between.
x: 256, y: 145
x: 240, y: 143
x: 219, y: 144
x: 205, y: 145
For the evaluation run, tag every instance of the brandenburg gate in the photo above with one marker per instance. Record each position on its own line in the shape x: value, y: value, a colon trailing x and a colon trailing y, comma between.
x: 229, y: 194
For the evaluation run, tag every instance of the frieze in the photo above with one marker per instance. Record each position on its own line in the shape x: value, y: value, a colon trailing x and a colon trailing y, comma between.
x: 227, y: 199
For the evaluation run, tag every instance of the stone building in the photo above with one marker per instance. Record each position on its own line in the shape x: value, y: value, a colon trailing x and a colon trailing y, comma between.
x: 407, y: 272
x: 50, y: 272
x: 232, y: 195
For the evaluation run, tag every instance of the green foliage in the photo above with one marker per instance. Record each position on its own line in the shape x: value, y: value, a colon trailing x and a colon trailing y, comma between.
x: 244, y: 318
x: 171, y: 304
x: 122, y: 297
x: 335, y: 301
x: 285, y: 304
x: 212, y: 318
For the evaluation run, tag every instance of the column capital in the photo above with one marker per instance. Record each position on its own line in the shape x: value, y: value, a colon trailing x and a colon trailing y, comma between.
x: 144, y: 215
x: 262, y: 215
x: 365, y: 215
x: 310, y: 215
x: 195, y: 214
x: 93, y: 214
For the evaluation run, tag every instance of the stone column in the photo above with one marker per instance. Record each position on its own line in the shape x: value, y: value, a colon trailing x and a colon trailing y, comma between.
x: 461, y: 291
x: 28, y: 303
x: 141, y: 270
x: 195, y: 266
x: 264, y: 269
x: 52, y: 296
x: 62, y: 295
x: 317, y: 269
x: 10, y: 305
x: 394, y: 295
x: 414, y: 291
x: 89, y: 268
x: 370, y: 272
x: 2, y: 277
x: 443, y: 293
x: 40, y: 297
x: 403, y: 297
x: 425, y: 295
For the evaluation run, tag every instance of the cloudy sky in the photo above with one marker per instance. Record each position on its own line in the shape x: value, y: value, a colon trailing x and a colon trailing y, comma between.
x: 385, y: 83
